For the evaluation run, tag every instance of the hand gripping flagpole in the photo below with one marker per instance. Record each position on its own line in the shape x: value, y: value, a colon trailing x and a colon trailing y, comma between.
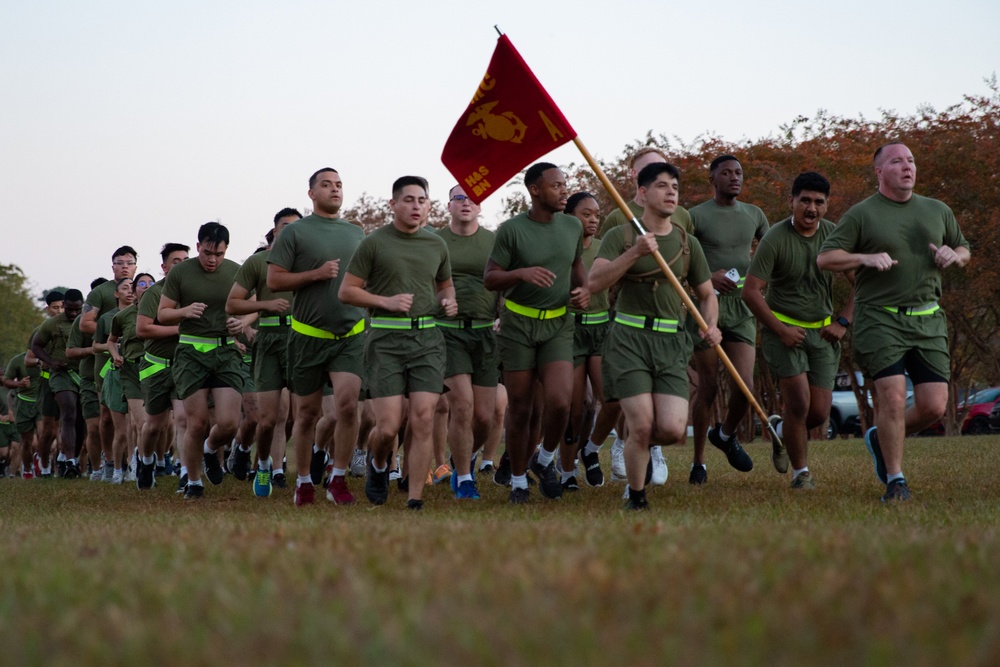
x: 688, y: 302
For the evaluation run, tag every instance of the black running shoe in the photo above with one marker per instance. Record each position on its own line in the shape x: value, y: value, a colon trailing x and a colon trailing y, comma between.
x: 182, y: 483
x: 502, y: 474
x: 61, y: 468
x: 70, y: 471
x: 735, y: 454
x: 376, y: 484
x: 241, y: 464
x: 699, y: 474
x: 213, y: 468
x: 317, y: 466
x: 571, y: 484
x: 519, y: 496
x: 875, y: 449
x: 415, y: 505
x: 592, y: 469
x: 548, y: 481
x: 636, y: 500
x: 278, y: 481
x: 145, y: 476
x: 194, y: 491
x: 896, y: 490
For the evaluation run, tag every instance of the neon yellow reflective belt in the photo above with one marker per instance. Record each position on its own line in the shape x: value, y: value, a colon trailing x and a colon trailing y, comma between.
x: 307, y: 330
x: 45, y: 375
x: 105, y: 368
x: 74, y: 376
x: 403, y: 323
x: 660, y: 325
x: 915, y: 311
x: 465, y: 324
x: 156, y: 364
x: 274, y: 321
x: 593, y: 318
x: 534, y: 313
x: 204, y: 344
x: 799, y: 323
x: 26, y: 399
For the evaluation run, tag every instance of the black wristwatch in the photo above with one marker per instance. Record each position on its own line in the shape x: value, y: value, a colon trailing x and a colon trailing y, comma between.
x: 843, y: 321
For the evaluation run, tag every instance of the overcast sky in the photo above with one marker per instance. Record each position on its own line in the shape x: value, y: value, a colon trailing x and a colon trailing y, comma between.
x: 126, y: 122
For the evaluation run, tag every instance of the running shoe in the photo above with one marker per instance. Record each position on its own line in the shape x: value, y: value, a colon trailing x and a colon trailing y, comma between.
x: 735, y: 454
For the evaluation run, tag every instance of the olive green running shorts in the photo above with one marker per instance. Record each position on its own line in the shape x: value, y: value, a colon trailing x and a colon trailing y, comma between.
x: 817, y: 358
x: 736, y: 323
x: 588, y: 341
x: 270, y: 360
x: 527, y: 343
x: 158, y: 390
x: 311, y: 360
x: 404, y: 361
x: 639, y: 361
x: 472, y: 352
x: 881, y: 338
x: 112, y: 394
x: 129, y: 376
x: 26, y: 414
x: 221, y: 366
x: 90, y: 405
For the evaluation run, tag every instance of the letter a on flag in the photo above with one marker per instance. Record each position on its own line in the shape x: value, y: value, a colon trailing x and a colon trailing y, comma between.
x: 510, y: 122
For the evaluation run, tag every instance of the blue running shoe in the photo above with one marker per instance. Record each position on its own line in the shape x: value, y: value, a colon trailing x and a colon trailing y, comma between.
x: 262, y: 484
x: 871, y: 442
x: 467, y: 491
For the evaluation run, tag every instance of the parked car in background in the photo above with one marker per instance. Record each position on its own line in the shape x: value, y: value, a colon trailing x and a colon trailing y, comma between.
x: 844, y: 414
x: 977, y: 406
x: 995, y: 417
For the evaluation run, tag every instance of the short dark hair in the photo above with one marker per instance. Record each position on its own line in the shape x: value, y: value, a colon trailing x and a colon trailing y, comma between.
x: 269, y: 237
x: 118, y: 283
x: 213, y: 233
x: 719, y: 160
x: 535, y: 171
x: 97, y: 282
x: 124, y: 250
x: 652, y: 171
x: 575, y: 200
x: 812, y: 181
x: 73, y: 295
x: 53, y: 296
x: 403, y: 181
x: 285, y: 212
x: 878, y: 151
x: 315, y: 176
x: 169, y: 249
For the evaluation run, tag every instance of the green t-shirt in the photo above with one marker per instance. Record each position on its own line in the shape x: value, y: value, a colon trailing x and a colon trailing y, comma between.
x: 307, y: 244
x: 392, y: 262
x: 102, y: 298
x: 904, y: 231
x: 17, y: 370
x: 189, y: 283
x: 522, y: 242
x: 101, y: 336
x: 654, y: 296
x: 149, y: 306
x: 599, y: 302
x: 252, y: 277
x: 786, y: 261
x: 726, y: 234
x: 468, y: 262
x: 53, y: 335
x: 681, y: 217
x: 79, y: 339
x: 123, y: 326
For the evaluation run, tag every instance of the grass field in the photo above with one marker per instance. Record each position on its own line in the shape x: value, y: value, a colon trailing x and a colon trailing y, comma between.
x: 741, y: 571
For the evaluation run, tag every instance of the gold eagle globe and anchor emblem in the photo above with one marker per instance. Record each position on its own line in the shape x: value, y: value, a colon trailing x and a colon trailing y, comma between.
x: 505, y: 126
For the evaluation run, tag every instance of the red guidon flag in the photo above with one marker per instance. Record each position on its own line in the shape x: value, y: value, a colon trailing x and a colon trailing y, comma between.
x: 510, y: 122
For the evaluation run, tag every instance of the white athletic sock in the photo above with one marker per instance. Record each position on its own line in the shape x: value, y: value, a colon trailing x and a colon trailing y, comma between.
x: 207, y: 449
x: 61, y: 457
x: 722, y: 433
x: 304, y: 479
x: 518, y: 481
x: 278, y: 471
x: 71, y: 461
x: 195, y: 483
x: 160, y: 461
x: 377, y: 469
x: 147, y: 460
x: 315, y: 448
x: 464, y: 478
x: 566, y: 475
x: 243, y: 449
x: 485, y: 463
x: 895, y: 476
x: 184, y: 470
x: 265, y: 465
x: 591, y: 448
x: 339, y: 472
x: 47, y: 470
x: 545, y: 457
x: 796, y: 473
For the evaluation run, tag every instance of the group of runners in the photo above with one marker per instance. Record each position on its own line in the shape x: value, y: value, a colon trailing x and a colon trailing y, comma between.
x: 355, y: 347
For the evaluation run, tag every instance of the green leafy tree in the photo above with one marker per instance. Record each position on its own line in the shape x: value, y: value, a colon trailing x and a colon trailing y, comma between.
x: 20, y: 314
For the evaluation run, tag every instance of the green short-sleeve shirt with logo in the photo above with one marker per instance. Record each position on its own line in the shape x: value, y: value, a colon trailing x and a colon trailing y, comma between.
x: 680, y: 217
x: 123, y: 326
x: 468, y: 262
x: 252, y: 277
x: 189, y: 283
x: 17, y: 369
x: 307, y: 244
x: 149, y: 305
x: 393, y: 262
x: 599, y: 301
x: 79, y: 339
x: 53, y: 336
x: 522, y: 242
x: 786, y: 261
x: 726, y: 234
x: 653, y: 296
x: 904, y: 231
